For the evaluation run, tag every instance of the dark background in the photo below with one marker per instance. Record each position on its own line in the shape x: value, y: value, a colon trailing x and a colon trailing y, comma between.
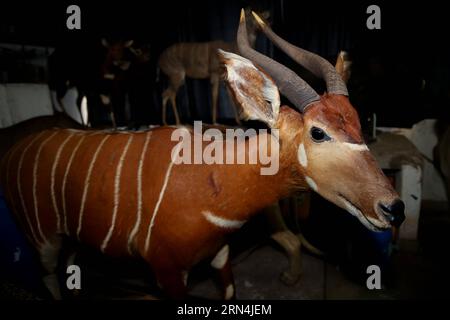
x: 401, y: 72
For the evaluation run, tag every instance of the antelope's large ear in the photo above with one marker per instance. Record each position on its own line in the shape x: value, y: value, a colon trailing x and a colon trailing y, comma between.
x: 265, y: 15
x: 105, y: 43
x: 253, y: 90
x: 128, y: 44
x: 343, y: 66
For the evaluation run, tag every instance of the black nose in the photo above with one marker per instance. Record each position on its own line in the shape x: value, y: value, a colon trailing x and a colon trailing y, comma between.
x: 394, y: 212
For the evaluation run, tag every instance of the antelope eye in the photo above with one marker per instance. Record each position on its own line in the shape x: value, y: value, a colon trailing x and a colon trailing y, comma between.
x: 318, y: 135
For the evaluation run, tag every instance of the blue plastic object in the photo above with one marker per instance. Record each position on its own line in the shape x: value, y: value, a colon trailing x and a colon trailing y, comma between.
x: 18, y: 262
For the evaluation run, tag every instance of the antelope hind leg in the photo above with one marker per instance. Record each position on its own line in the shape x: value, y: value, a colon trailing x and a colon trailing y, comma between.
x: 165, y: 96
x: 49, y: 256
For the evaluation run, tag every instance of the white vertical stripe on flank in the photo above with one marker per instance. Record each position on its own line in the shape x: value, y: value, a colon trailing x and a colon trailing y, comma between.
x: 35, y: 199
x: 63, y: 188
x: 116, y: 193
x: 86, y: 184
x: 139, y: 192
x: 161, y: 195
x: 19, y: 185
x: 52, y: 183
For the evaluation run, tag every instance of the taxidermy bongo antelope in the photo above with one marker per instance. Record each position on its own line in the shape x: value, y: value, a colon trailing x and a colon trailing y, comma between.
x: 124, y: 194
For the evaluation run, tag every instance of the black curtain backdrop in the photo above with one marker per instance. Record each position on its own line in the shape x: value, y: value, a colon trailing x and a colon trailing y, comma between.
x: 401, y: 72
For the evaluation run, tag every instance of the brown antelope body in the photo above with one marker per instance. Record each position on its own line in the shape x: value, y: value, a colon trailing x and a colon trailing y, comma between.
x: 126, y: 194
x: 196, y: 60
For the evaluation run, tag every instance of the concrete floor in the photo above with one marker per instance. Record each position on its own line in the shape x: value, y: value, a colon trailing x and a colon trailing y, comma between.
x: 257, y: 277
x: 419, y: 271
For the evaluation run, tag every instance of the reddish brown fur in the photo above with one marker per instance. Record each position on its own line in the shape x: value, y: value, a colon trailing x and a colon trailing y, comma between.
x: 181, y: 236
x: 336, y: 112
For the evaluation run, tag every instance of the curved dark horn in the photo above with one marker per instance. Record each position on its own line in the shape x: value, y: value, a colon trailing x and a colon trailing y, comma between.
x: 311, y: 61
x: 288, y: 82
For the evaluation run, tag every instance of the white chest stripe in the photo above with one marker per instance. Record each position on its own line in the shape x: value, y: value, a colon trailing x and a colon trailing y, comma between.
x: 222, y: 222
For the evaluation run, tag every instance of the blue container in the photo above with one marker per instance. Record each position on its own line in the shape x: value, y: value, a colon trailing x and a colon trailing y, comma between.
x: 18, y: 261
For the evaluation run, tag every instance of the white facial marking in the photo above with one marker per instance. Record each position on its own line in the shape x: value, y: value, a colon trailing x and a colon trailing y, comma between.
x: 222, y: 222
x: 351, y: 208
x: 229, y: 292
x: 311, y: 183
x: 221, y: 258
x: 301, y: 154
x: 357, y: 213
x: 356, y: 147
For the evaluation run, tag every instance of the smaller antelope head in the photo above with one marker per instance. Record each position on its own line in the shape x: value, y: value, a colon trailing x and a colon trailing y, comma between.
x: 116, y: 54
x: 322, y: 145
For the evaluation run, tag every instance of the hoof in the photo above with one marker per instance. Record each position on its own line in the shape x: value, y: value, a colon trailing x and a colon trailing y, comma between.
x: 289, y: 278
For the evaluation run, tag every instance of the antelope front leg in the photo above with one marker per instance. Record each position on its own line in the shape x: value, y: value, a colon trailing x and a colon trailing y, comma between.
x: 222, y: 264
x: 288, y: 241
x: 291, y: 245
x: 173, y: 102
x: 215, y: 96
x: 164, y: 109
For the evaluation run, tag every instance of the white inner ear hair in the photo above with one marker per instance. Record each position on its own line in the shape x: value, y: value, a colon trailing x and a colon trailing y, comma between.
x: 234, y: 63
